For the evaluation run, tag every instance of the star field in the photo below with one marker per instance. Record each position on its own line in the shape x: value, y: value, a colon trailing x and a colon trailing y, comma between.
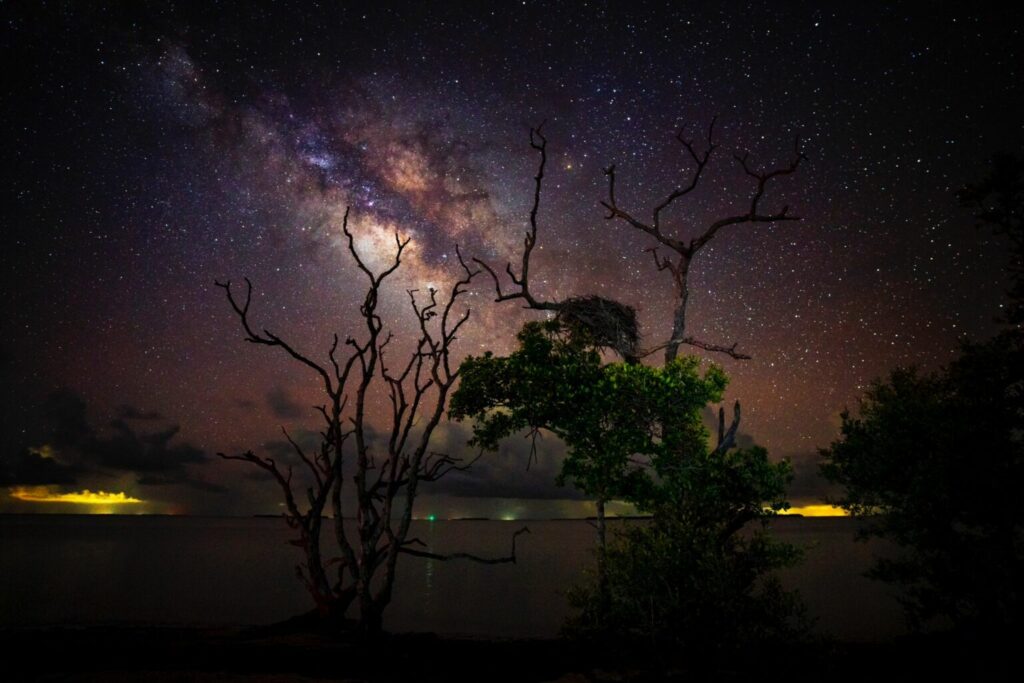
x: 154, y: 149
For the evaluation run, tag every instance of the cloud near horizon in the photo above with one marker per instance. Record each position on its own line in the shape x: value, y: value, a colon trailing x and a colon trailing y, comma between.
x: 80, y: 462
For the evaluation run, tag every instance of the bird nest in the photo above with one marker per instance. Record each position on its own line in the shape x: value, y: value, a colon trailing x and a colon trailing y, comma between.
x: 608, y: 323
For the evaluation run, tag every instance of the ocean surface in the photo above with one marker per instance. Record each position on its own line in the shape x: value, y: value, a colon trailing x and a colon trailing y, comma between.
x: 83, y: 570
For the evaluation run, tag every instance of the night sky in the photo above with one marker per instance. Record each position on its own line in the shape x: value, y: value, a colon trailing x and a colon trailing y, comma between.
x: 150, y: 150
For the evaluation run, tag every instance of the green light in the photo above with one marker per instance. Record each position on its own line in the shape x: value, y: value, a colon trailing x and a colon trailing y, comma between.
x: 431, y: 518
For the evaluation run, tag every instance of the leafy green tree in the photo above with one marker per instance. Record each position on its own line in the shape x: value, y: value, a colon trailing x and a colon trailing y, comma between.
x: 672, y: 583
x: 609, y: 416
x: 699, y: 575
x: 934, y: 461
x: 635, y: 433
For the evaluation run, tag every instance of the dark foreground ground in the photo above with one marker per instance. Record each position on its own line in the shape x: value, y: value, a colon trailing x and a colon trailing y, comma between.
x: 288, y: 654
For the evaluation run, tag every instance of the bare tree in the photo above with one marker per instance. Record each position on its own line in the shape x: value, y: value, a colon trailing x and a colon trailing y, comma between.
x: 381, y: 480
x: 679, y: 269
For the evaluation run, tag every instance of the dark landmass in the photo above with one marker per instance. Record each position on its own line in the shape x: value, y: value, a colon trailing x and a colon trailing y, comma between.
x: 284, y: 653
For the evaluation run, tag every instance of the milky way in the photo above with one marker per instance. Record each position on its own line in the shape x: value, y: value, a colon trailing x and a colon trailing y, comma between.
x: 153, y: 150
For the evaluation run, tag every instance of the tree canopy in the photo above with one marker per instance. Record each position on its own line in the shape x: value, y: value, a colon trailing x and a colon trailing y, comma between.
x: 610, y: 416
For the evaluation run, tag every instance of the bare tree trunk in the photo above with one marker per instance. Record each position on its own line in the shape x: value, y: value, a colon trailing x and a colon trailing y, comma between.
x: 371, y: 614
x: 318, y: 584
x: 681, y: 274
x: 601, y: 528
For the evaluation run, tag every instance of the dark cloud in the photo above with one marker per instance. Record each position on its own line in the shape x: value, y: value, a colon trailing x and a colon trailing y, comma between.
x: 503, y: 474
x: 126, y: 449
x: 77, y: 451
x: 65, y: 411
x: 808, y: 486
x: 307, y: 440
x: 180, y: 478
x: 132, y: 413
x: 29, y: 467
x: 282, y: 405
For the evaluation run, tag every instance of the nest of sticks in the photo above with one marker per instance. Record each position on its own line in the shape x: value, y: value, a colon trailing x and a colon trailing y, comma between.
x: 608, y: 323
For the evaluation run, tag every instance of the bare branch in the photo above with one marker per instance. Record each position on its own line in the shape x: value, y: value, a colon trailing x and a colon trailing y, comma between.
x: 687, y: 250
x: 727, y: 437
x: 753, y: 215
x: 438, y: 465
x: 540, y: 144
x: 268, y: 338
x: 661, y: 263
x: 511, y: 558
x: 690, y: 341
x: 615, y: 212
x: 302, y: 454
x: 701, y: 161
x: 283, y: 480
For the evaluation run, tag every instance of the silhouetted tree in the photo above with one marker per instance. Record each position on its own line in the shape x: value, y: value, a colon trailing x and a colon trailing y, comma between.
x: 381, y: 480
x: 998, y: 203
x: 686, y: 250
x: 935, y: 461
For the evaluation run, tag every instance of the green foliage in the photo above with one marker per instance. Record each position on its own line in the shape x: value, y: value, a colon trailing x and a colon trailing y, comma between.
x: 671, y: 582
x: 696, y: 575
x: 609, y: 416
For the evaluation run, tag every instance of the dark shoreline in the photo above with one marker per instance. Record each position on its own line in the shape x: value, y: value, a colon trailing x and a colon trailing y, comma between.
x: 283, y: 653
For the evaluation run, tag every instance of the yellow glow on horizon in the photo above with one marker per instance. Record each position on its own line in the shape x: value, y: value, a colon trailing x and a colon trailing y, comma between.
x: 817, y: 511
x: 44, y: 451
x: 41, y: 494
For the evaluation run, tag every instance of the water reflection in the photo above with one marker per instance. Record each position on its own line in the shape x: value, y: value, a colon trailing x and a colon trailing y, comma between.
x: 164, y: 570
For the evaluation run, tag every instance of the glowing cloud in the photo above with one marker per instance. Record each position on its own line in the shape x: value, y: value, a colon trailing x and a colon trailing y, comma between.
x: 44, y: 451
x: 817, y: 511
x: 41, y: 494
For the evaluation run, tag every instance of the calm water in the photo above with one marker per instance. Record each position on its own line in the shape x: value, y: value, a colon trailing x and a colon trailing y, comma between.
x: 181, y: 570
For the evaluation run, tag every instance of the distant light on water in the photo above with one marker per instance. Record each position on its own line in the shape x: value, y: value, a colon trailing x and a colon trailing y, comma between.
x: 431, y: 518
